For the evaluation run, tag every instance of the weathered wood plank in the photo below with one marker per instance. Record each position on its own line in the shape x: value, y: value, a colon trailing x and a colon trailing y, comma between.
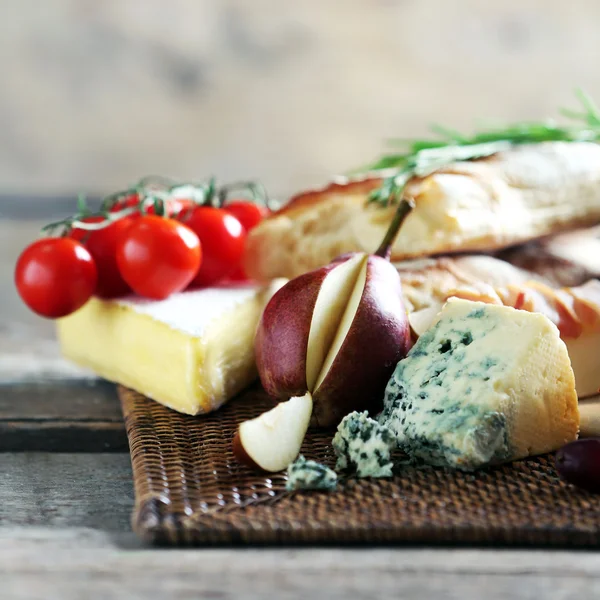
x: 73, y: 563
x: 62, y: 436
x: 71, y: 399
x: 66, y: 490
x: 61, y: 416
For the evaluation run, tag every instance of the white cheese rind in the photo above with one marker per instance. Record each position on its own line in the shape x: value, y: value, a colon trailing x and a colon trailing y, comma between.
x: 486, y: 384
x: 192, y: 311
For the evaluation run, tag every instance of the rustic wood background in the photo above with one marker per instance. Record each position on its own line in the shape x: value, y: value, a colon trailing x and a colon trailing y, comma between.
x: 96, y: 94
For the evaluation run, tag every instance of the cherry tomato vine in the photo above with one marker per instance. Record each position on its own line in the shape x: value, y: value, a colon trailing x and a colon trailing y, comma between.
x: 155, y: 238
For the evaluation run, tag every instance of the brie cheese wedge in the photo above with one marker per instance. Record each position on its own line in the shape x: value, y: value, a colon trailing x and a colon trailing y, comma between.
x: 191, y: 352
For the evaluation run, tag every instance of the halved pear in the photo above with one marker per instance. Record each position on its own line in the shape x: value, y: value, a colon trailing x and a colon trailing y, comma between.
x: 272, y: 440
x: 372, y: 336
x: 338, y: 333
x: 298, y: 325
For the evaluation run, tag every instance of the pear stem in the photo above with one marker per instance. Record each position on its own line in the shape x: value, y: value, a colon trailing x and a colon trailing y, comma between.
x: 403, y: 210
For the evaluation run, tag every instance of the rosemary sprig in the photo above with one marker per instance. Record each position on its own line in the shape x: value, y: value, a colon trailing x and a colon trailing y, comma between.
x: 420, y: 158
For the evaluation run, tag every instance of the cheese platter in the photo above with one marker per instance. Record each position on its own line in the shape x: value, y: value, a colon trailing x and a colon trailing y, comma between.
x: 374, y: 360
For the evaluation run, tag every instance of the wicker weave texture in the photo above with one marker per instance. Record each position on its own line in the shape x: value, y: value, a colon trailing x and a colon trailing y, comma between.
x: 190, y: 490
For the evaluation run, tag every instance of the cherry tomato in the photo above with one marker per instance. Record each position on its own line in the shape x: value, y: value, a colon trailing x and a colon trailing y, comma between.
x: 247, y: 213
x: 222, y: 237
x: 238, y: 275
x: 102, y: 245
x: 158, y: 256
x: 55, y: 276
x: 126, y: 202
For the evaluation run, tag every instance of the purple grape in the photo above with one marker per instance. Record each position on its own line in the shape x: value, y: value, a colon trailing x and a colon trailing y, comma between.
x: 579, y: 463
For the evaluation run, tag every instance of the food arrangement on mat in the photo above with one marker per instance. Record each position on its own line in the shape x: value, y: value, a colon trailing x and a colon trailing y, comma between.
x: 438, y: 308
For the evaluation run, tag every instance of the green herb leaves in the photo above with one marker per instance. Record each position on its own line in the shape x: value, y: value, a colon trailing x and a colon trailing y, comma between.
x: 422, y: 157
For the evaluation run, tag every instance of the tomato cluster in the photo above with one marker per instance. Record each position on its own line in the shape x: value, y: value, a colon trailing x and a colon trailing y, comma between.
x: 153, y: 250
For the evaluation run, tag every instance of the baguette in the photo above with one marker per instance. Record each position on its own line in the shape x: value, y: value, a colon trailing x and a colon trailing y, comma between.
x: 428, y: 282
x: 507, y: 199
x: 566, y: 260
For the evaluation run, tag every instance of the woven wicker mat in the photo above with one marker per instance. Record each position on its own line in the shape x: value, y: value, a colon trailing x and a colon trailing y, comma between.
x: 190, y: 490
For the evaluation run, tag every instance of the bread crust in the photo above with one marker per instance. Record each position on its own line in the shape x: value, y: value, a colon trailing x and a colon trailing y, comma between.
x: 566, y: 260
x: 512, y: 197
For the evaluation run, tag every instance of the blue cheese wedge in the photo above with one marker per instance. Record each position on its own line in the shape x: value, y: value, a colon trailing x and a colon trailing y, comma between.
x: 364, y: 444
x: 310, y: 475
x: 486, y: 384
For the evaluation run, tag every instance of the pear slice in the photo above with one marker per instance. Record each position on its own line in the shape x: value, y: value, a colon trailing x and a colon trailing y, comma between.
x: 330, y: 308
x: 345, y: 322
x: 272, y: 440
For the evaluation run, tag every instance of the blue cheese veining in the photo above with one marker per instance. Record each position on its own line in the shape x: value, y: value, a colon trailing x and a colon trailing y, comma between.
x: 486, y: 384
x: 310, y: 475
x: 365, y: 445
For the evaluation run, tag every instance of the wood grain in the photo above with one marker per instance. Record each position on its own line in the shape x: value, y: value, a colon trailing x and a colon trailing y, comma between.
x: 66, y: 490
x: 69, y: 399
x: 62, y: 435
x: 38, y: 563
x: 61, y: 416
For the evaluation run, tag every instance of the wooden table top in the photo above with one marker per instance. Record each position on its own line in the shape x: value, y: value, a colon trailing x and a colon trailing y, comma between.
x: 66, y: 496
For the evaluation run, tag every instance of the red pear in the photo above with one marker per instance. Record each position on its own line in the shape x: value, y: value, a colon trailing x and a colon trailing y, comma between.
x: 336, y: 332
x: 372, y: 336
x: 288, y: 356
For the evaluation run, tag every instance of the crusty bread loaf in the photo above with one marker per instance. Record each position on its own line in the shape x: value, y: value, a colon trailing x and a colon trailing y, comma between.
x: 509, y: 198
x: 428, y: 282
x: 565, y: 260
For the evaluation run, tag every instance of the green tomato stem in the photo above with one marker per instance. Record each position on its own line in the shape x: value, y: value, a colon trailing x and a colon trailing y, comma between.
x: 155, y: 191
